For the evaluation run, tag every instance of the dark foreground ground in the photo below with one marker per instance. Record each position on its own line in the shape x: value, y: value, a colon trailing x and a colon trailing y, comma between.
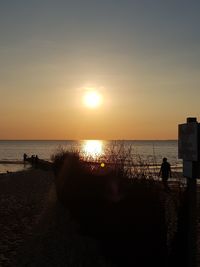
x: 36, y: 230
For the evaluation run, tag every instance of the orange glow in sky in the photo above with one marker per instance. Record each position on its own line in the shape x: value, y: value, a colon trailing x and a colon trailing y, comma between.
x: 98, y: 70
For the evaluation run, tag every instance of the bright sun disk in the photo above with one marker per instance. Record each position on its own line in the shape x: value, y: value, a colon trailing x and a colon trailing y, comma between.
x: 92, y: 99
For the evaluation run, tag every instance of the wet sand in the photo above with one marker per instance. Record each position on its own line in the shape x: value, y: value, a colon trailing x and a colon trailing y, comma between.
x: 35, y: 229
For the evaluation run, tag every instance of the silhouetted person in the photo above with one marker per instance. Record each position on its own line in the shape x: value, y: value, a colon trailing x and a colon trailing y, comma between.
x: 165, y: 172
x: 25, y: 157
x: 32, y: 160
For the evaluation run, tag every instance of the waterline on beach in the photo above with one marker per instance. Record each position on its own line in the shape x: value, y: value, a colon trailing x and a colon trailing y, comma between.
x: 13, y: 167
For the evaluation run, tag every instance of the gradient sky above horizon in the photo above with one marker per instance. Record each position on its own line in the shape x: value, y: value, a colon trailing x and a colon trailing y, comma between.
x: 142, y: 56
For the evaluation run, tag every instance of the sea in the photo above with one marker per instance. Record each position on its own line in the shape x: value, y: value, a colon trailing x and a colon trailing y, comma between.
x: 151, y: 151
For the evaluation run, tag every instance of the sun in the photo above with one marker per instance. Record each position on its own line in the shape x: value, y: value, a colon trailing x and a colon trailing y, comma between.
x: 92, y: 99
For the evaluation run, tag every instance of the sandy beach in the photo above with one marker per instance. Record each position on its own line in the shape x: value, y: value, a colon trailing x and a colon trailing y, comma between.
x: 35, y: 229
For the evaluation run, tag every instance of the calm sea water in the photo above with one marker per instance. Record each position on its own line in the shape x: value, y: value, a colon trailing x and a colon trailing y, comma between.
x: 12, y: 151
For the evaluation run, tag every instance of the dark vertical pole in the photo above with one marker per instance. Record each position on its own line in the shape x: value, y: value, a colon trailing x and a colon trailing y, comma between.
x: 189, y: 151
x: 192, y: 220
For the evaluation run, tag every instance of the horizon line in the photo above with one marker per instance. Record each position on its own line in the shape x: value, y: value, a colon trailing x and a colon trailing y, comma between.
x: 88, y: 139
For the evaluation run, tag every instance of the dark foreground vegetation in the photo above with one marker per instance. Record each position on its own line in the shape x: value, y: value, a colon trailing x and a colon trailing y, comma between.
x: 127, y: 216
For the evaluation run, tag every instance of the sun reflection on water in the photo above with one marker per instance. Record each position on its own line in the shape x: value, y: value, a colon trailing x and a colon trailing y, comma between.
x: 93, y: 148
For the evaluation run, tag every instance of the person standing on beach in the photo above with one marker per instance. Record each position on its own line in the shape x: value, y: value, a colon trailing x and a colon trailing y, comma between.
x: 165, y: 172
x: 25, y: 157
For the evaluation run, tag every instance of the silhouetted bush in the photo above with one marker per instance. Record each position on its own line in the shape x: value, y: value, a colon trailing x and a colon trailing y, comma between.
x: 126, y: 215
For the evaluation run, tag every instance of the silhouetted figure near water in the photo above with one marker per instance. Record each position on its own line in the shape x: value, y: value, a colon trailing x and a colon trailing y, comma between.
x: 32, y: 160
x: 25, y: 156
x: 165, y: 172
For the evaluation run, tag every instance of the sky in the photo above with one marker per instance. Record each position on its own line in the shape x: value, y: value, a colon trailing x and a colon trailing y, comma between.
x: 141, y: 56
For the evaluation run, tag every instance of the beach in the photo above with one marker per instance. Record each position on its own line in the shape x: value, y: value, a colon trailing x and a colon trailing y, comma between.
x: 35, y: 229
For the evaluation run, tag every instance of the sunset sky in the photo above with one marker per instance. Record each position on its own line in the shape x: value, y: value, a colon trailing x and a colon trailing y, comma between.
x: 141, y: 57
